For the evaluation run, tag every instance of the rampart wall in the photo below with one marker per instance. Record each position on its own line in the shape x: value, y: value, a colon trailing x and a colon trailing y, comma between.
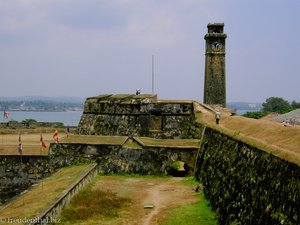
x: 246, y: 185
x: 17, y: 174
x: 116, y: 159
x: 54, y: 210
x: 137, y: 117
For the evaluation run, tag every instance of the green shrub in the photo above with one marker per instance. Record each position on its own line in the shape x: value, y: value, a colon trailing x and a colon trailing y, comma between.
x: 255, y: 115
x: 175, y: 165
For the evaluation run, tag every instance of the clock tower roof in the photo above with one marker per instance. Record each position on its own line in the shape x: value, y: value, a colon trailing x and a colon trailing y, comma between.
x: 215, y: 30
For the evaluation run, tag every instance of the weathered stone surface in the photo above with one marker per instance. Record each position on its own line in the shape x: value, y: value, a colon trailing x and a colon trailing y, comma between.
x: 17, y: 175
x: 109, y: 115
x: 115, y: 159
x: 215, y: 72
x: 247, y: 185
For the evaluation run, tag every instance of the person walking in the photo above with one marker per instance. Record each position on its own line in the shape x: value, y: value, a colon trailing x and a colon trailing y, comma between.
x: 218, y: 116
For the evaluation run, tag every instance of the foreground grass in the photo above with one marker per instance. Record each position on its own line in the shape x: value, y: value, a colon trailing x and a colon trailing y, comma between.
x: 118, y: 199
x: 93, y: 205
x: 199, y: 213
x: 193, y: 214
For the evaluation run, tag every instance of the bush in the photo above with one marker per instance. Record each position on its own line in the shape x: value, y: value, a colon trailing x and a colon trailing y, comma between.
x: 175, y: 165
x: 295, y: 105
x: 255, y: 115
x: 29, y: 122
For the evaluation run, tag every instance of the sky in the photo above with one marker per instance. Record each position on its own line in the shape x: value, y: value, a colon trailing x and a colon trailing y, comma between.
x: 84, y: 48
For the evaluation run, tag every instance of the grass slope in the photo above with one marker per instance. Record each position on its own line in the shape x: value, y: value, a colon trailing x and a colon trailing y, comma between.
x: 272, y: 137
x: 40, y: 197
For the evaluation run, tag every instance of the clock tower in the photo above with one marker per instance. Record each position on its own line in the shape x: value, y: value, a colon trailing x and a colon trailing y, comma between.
x: 214, y: 83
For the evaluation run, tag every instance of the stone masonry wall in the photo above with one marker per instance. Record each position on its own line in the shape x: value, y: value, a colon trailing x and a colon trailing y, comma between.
x: 159, y: 119
x: 246, y: 185
x: 115, y: 159
x: 17, y: 176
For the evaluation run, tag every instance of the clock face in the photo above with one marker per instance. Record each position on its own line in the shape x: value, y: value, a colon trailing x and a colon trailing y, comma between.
x: 216, y: 46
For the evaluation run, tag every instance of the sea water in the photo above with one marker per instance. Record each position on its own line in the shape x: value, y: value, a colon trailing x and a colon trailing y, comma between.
x: 69, y: 118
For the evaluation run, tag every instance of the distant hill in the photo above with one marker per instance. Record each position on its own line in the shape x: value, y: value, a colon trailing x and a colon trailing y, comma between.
x: 44, y: 98
x: 41, y: 103
x: 252, y: 106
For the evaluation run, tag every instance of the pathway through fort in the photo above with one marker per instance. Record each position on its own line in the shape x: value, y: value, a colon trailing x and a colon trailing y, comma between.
x: 164, y: 194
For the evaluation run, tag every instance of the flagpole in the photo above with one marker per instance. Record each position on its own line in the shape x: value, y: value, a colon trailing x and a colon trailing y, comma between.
x: 2, y: 147
x: 41, y: 149
x: 20, y: 143
x: 5, y: 116
x: 152, y: 74
x: 20, y: 152
x: 2, y: 126
x: 40, y: 144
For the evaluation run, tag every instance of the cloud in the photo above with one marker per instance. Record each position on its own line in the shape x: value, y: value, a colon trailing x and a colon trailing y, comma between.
x: 99, y: 46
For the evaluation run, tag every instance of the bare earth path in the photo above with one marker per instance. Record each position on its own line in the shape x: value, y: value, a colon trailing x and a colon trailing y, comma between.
x: 162, y: 193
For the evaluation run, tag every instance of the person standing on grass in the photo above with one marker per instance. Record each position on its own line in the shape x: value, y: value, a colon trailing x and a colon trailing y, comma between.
x: 218, y: 116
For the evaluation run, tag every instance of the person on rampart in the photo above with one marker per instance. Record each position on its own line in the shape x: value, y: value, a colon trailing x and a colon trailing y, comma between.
x: 218, y: 117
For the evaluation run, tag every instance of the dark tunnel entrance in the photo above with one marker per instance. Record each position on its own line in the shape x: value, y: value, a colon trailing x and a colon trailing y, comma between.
x: 178, y: 169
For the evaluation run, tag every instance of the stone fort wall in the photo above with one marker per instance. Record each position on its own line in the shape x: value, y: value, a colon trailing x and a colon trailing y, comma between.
x: 246, y: 185
x: 137, y: 115
x: 17, y: 175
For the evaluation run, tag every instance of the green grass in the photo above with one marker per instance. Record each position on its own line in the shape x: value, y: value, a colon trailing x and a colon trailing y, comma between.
x: 175, y: 165
x: 193, y: 214
x: 199, y: 213
x: 190, y: 181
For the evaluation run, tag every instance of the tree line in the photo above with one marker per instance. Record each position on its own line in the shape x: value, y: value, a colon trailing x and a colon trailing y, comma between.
x: 39, y: 106
x: 275, y: 105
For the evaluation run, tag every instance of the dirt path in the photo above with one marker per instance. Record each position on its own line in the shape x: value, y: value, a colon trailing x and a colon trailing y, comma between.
x: 162, y: 193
